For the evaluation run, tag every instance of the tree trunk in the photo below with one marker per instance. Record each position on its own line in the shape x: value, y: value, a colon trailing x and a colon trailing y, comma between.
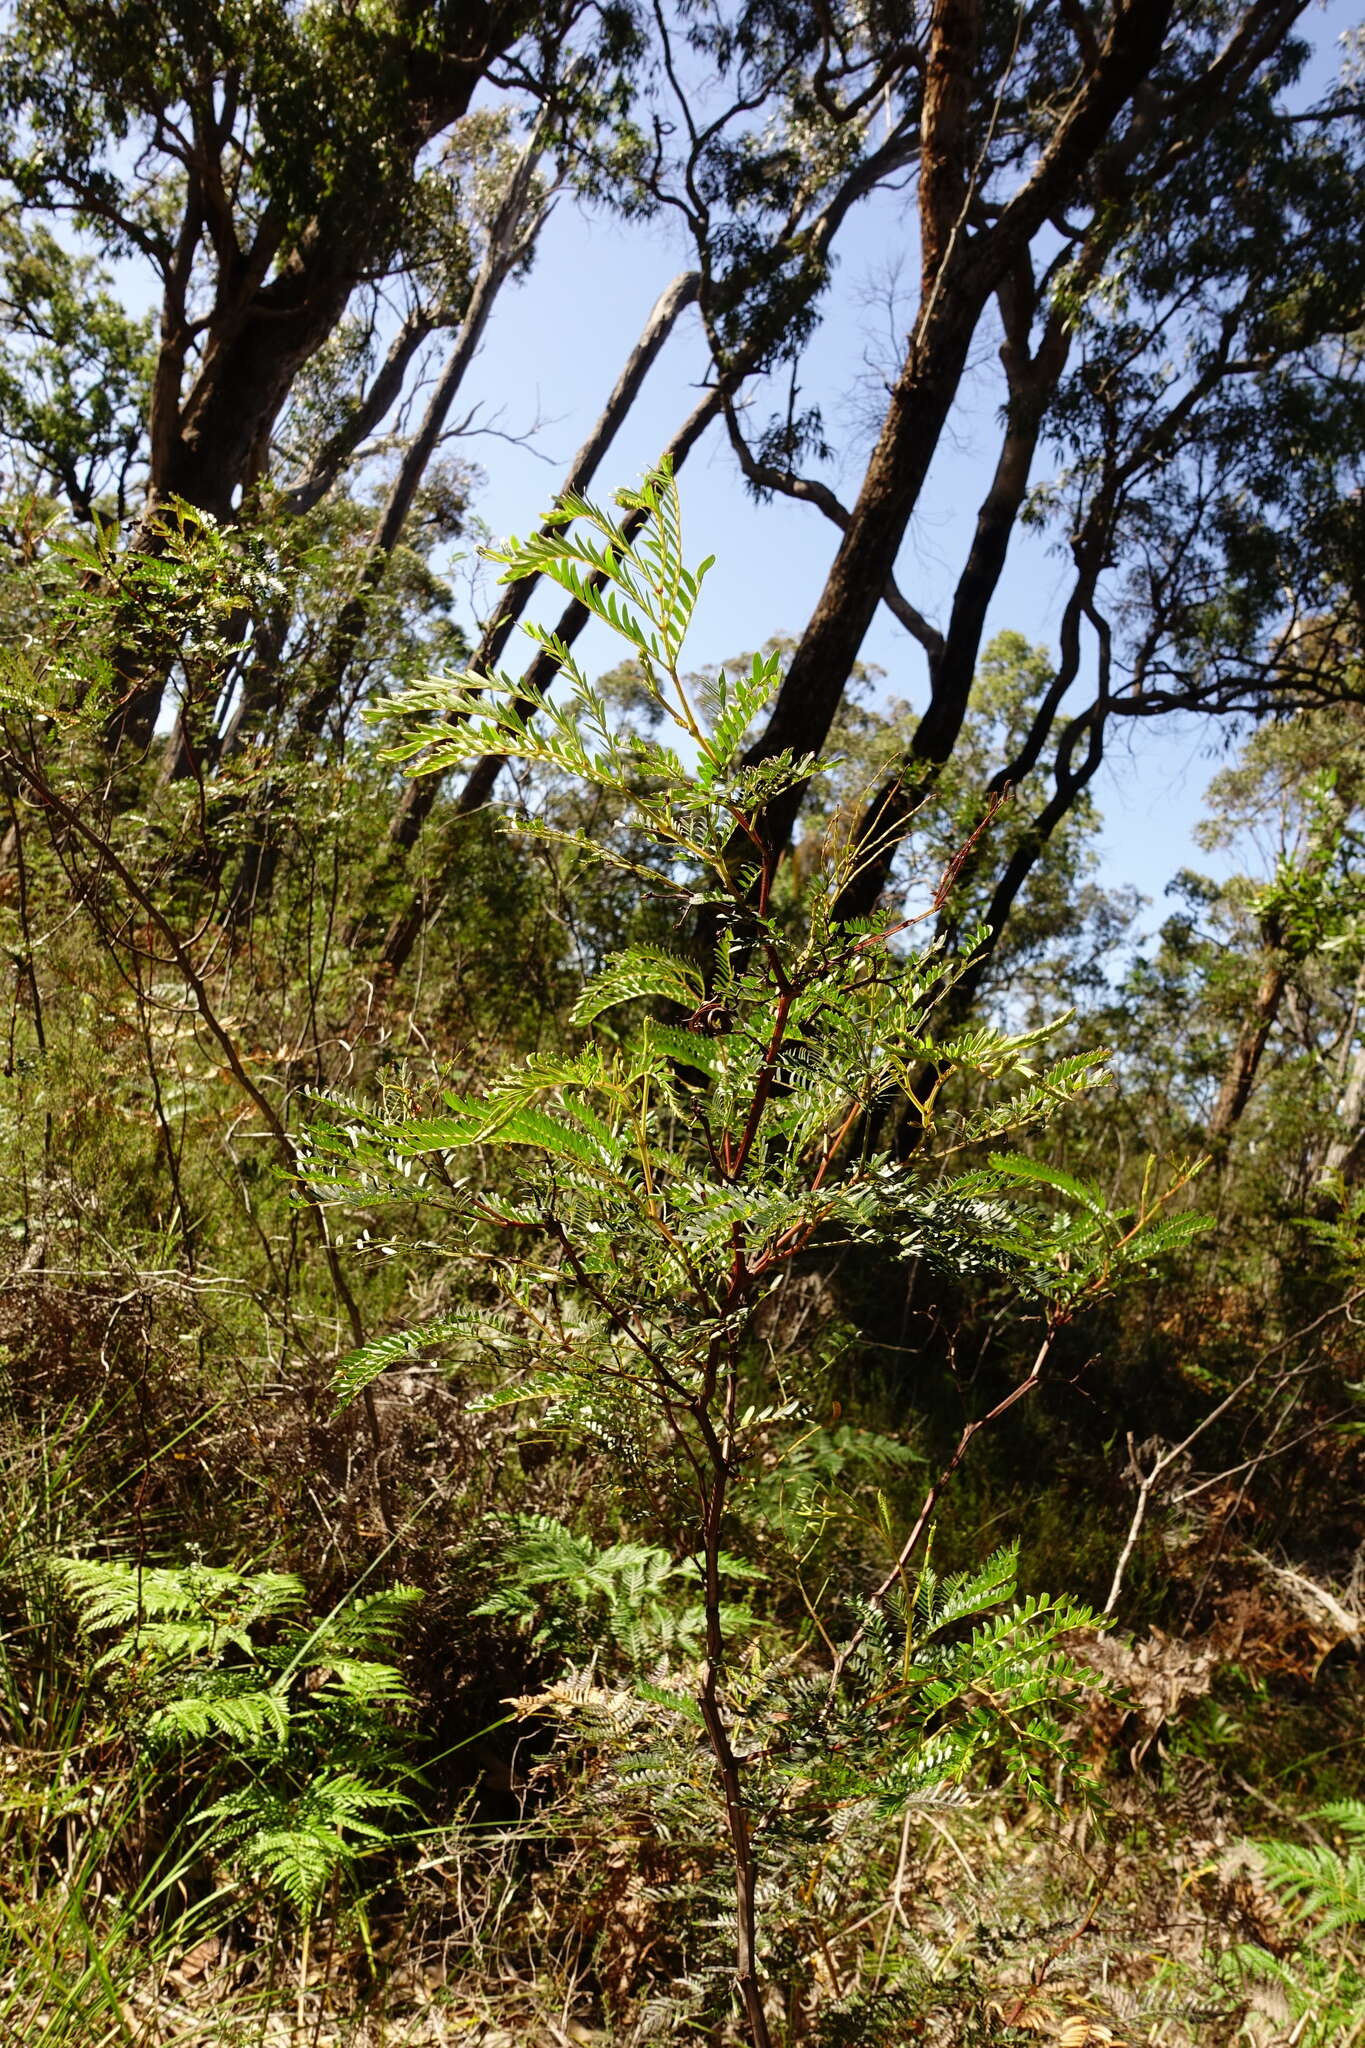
x: 1240, y: 1076
x: 509, y: 237
x: 1069, y: 779
x: 961, y: 273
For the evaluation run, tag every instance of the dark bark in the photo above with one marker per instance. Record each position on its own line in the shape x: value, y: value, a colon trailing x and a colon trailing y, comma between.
x: 261, y: 696
x: 512, y: 232
x: 962, y: 273
x: 884, y: 821
x: 1032, y: 382
x: 766, y: 477
x: 1070, y: 778
x: 511, y: 235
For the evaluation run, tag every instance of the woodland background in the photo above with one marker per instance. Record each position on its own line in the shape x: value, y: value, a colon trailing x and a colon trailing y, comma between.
x: 259, y: 1777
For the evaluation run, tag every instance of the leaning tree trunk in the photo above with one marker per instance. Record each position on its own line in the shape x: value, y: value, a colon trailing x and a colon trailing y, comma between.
x: 1239, y: 1077
x: 963, y: 268
x: 961, y: 271
x: 512, y: 233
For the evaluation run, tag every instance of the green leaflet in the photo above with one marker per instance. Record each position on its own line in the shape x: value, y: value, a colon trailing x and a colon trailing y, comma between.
x: 1039, y: 1173
x: 359, y: 1368
x: 710, y: 1056
x: 244, y: 1717
x: 195, y: 1603
x: 735, y: 706
x: 643, y: 971
x: 298, y: 1844
x: 578, y: 1597
x: 518, y: 1124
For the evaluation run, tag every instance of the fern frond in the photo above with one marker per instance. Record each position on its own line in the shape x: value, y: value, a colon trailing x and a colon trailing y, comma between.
x: 247, y: 1718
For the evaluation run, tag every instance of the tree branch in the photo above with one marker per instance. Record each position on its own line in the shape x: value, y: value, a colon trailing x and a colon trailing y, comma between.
x: 309, y: 489
x: 766, y: 476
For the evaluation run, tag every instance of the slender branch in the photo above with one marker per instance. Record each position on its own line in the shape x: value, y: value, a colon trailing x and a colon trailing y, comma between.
x: 1147, y: 1481
x: 74, y: 823
x: 931, y: 1498
x: 809, y: 490
x: 313, y: 485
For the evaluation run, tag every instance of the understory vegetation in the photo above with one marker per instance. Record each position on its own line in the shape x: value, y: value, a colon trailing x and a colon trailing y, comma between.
x: 668, y: 1371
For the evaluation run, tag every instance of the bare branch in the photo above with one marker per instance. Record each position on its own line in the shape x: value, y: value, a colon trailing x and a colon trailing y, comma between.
x: 309, y: 489
x: 767, y: 476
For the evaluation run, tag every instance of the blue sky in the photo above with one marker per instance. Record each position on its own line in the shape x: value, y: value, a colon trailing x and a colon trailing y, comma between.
x: 553, y: 350
x: 552, y: 354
